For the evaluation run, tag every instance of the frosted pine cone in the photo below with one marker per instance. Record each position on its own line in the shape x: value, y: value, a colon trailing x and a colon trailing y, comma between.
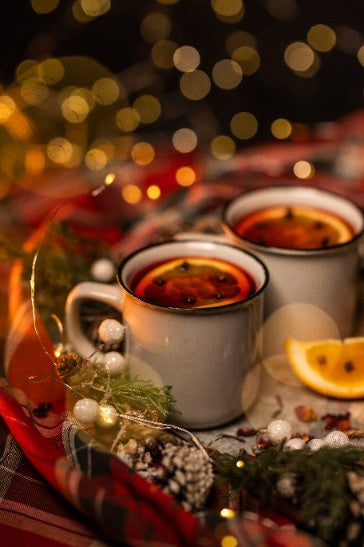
x: 188, y: 474
x: 182, y: 470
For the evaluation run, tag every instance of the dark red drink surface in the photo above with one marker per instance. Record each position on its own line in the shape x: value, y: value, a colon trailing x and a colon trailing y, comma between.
x: 294, y: 227
x: 193, y: 282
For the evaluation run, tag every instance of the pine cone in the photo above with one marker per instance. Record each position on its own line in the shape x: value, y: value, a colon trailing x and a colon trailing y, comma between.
x: 182, y: 470
x: 68, y: 364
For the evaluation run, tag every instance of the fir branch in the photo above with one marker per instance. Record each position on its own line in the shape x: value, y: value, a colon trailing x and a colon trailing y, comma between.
x: 90, y: 379
x: 322, y: 495
x: 64, y: 259
x: 135, y: 393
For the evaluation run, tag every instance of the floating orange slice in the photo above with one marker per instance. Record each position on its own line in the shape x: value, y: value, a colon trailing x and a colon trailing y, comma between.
x: 331, y: 367
x: 295, y: 227
x: 194, y: 282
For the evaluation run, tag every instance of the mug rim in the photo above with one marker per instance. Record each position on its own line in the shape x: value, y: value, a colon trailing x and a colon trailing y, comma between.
x: 271, y: 249
x: 202, y: 310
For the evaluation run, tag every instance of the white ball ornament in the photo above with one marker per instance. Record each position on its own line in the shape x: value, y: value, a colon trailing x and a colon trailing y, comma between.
x: 114, y: 362
x: 336, y: 439
x: 295, y: 444
x: 103, y: 270
x: 111, y: 331
x: 315, y: 444
x: 278, y: 431
x: 86, y: 410
x: 286, y: 485
x: 107, y: 416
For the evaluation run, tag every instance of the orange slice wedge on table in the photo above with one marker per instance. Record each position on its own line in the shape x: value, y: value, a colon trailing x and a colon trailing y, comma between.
x: 331, y: 367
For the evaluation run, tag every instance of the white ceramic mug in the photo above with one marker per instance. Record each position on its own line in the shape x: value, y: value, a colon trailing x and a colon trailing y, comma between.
x: 205, y: 354
x: 312, y: 294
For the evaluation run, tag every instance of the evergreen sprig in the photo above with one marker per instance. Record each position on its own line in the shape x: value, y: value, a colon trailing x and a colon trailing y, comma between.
x: 64, y: 259
x: 90, y: 379
x: 322, y: 494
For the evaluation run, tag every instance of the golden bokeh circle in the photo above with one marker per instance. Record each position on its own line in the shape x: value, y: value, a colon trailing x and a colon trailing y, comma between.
x: 244, y: 125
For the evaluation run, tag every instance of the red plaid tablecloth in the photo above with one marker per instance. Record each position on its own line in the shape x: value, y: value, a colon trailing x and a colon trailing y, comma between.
x: 56, y: 486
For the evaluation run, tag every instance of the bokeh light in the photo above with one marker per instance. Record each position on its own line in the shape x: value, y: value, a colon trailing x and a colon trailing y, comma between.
x: 227, y: 513
x: 195, y: 85
x: 360, y: 55
x: 51, y: 71
x: 153, y: 191
x: 186, y: 58
x: 7, y: 108
x: 33, y: 91
x: 228, y: 10
x: 299, y: 56
x: 281, y: 128
x: 148, y: 108
x: 60, y: 150
x: 185, y: 73
x: 227, y: 74
x: 44, y: 6
x: 184, y: 140
x: 304, y: 169
x: 229, y: 541
x: 142, y: 153
x: 106, y: 91
x: 127, y: 119
x: 155, y: 26
x: 244, y: 125
x: 95, y: 8
x: 239, y: 38
x: 96, y: 159
x: 321, y: 37
x: 75, y: 109
x: 222, y: 147
x: 162, y: 53
x: 131, y: 193
x: 248, y: 58
x: 185, y: 176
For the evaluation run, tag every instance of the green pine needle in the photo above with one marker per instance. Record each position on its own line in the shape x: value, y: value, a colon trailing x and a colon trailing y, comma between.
x: 322, y: 495
x: 90, y: 379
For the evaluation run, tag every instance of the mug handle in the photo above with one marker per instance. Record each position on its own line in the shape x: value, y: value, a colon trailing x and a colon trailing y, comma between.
x: 88, y: 290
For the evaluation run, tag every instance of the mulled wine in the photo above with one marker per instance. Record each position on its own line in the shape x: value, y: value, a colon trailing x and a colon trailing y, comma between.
x: 193, y: 282
x: 294, y: 227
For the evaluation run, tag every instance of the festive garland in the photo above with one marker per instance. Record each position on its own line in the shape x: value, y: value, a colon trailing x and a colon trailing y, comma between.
x: 324, y: 487
x: 321, y: 480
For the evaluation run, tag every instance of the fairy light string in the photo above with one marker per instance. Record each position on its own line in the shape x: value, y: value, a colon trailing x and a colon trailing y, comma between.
x: 109, y: 179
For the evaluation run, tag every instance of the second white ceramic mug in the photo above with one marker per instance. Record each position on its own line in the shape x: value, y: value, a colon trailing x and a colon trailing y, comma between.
x: 205, y: 354
x: 312, y: 293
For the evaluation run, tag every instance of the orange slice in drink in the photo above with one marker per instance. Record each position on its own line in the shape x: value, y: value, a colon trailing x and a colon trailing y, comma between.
x: 294, y: 227
x: 331, y: 367
x: 194, y: 282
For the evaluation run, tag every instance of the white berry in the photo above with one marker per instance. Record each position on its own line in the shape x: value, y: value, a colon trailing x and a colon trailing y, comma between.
x: 86, y: 410
x: 103, y: 270
x: 111, y: 331
x: 315, y: 444
x: 336, y: 439
x: 107, y: 416
x: 286, y: 485
x: 114, y: 362
x: 278, y: 430
x: 294, y: 444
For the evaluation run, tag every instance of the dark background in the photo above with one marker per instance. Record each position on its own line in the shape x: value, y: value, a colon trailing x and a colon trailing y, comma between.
x: 274, y: 91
